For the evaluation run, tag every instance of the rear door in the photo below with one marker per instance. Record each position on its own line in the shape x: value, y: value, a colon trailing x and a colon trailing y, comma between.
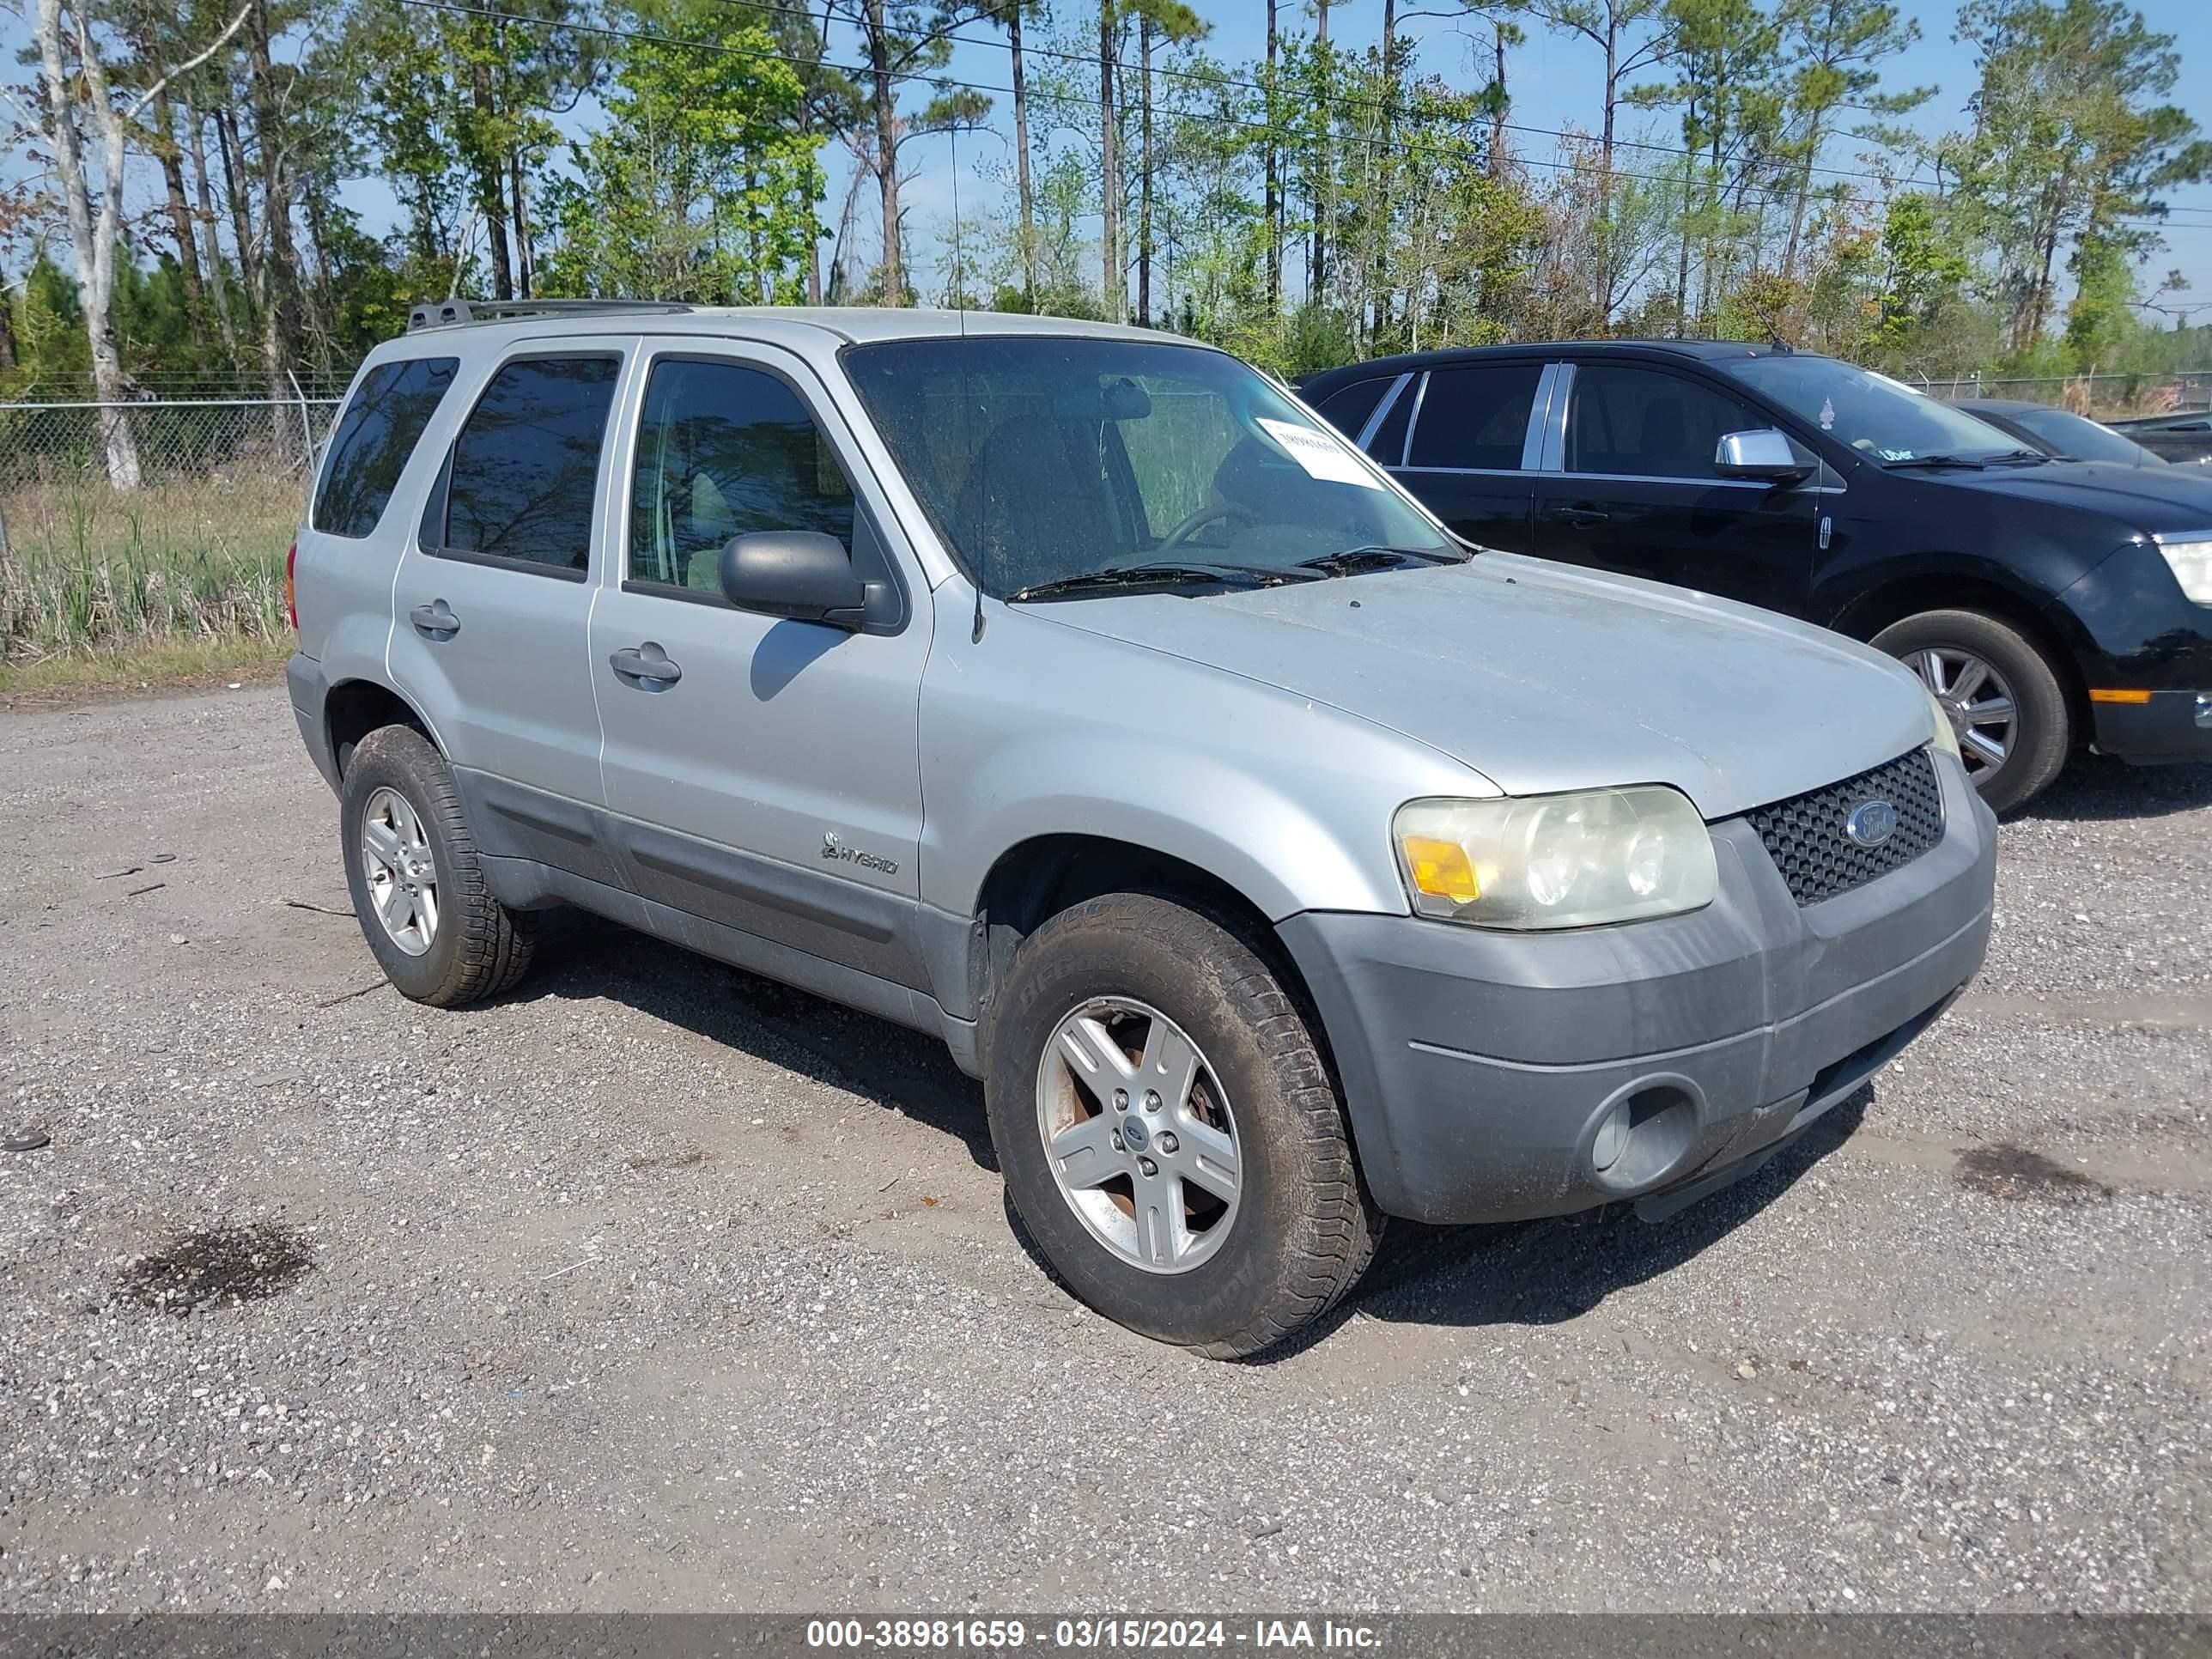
x: 1468, y: 447
x: 1627, y: 483
x: 493, y: 600
x: 762, y: 772
x: 347, y: 552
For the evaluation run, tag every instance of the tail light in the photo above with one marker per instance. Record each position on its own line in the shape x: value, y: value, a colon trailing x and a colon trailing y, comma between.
x: 292, y: 586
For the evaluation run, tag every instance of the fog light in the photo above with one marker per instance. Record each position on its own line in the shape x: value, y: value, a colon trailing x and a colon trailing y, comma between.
x: 2204, y: 708
x: 1612, y: 1137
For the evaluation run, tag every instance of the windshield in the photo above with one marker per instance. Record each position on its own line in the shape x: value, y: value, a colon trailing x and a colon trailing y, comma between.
x: 2081, y: 439
x: 1884, y: 420
x: 1043, y: 458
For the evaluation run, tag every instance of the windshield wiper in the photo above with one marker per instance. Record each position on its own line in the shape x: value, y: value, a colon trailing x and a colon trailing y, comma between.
x: 1165, y: 574
x: 2020, y: 458
x: 1353, y: 560
x: 1976, y: 462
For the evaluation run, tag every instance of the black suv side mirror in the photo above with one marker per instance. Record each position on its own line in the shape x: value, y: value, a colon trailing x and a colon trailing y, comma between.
x: 1765, y: 455
x: 804, y: 576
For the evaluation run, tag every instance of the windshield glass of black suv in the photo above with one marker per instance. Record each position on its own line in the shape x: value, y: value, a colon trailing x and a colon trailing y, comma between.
x: 1883, y: 419
x: 1047, y: 458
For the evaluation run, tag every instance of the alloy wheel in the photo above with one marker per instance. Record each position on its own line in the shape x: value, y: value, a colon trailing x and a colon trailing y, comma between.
x: 1977, y: 700
x: 1139, y: 1134
x: 402, y: 871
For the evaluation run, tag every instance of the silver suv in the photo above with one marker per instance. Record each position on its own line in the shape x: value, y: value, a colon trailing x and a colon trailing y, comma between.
x: 1278, y: 862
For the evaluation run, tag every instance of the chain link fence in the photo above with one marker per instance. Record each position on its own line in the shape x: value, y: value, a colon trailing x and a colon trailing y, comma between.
x: 2113, y: 396
x: 171, y: 439
x: 193, y: 550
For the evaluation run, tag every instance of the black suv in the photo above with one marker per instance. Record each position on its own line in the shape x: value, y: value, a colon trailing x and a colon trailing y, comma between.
x: 2046, y: 603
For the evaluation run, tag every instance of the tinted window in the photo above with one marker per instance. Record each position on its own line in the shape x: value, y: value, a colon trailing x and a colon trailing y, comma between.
x: 527, y: 465
x: 1348, y: 407
x: 1475, y: 416
x: 375, y: 437
x: 723, y: 451
x: 1644, y: 423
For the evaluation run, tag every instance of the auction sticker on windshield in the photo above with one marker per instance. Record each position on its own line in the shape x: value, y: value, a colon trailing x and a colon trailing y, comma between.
x: 1322, y: 456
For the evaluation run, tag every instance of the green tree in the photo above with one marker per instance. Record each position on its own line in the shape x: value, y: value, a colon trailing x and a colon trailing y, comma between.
x: 702, y: 183
x: 1835, y: 47
x: 2069, y: 140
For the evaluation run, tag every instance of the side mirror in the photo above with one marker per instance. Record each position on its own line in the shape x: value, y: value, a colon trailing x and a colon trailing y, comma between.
x: 803, y: 575
x: 1766, y: 455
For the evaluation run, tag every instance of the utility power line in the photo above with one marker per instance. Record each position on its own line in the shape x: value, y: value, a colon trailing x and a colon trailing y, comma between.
x: 1740, y: 195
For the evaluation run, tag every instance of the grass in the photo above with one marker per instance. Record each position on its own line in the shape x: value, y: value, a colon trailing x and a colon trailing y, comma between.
x: 103, y: 588
x: 164, y: 664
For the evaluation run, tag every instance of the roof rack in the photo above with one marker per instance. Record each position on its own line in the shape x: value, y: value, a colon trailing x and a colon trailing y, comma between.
x: 452, y: 314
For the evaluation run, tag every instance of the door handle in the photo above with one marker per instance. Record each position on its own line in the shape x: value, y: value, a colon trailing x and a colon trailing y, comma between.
x: 436, y: 620
x: 1581, y: 517
x: 645, y: 666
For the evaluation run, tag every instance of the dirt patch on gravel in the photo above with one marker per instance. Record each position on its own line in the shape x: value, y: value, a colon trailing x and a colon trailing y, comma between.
x: 221, y: 1267
x: 2014, y: 1172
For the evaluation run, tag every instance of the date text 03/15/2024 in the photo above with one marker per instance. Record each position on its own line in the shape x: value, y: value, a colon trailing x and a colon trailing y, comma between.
x: 1079, y: 1635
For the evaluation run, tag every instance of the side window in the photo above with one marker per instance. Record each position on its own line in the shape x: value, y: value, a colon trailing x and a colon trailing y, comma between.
x: 1347, y: 408
x: 375, y: 437
x: 1476, y: 417
x: 1644, y: 423
x: 525, y: 467
x: 724, y: 451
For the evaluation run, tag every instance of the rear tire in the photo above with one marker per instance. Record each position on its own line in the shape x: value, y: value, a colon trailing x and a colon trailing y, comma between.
x: 1939, y: 646
x: 1097, y: 981
x: 417, y: 882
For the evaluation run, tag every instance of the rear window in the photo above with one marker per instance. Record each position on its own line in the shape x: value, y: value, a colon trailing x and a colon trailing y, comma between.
x: 375, y: 435
x: 525, y: 468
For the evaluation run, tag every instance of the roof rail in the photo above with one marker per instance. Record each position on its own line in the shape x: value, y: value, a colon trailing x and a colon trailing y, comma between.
x: 452, y: 314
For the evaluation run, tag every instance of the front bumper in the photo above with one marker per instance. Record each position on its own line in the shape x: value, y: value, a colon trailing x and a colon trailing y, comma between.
x: 2173, y: 725
x: 1479, y: 1066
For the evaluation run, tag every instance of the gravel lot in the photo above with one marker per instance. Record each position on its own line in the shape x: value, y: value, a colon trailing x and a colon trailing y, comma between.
x: 658, y: 1286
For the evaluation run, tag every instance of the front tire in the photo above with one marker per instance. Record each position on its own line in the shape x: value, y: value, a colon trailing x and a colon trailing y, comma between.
x: 1169, y: 1131
x: 2003, y: 696
x: 417, y: 882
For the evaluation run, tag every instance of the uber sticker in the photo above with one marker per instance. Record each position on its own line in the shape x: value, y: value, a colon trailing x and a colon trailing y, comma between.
x: 1322, y: 456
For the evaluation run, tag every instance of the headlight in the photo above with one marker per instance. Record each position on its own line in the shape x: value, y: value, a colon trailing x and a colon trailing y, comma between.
x: 1946, y: 737
x: 2192, y: 568
x: 1556, y: 860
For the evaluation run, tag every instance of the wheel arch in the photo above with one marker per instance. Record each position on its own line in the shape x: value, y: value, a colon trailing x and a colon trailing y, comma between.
x: 354, y: 708
x: 1038, y: 878
x: 1894, y: 599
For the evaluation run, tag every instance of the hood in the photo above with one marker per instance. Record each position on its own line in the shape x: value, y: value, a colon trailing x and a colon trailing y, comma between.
x: 2151, y: 500
x: 1543, y: 678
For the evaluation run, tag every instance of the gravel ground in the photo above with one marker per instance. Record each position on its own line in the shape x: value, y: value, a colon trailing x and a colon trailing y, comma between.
x: 658, y: 1286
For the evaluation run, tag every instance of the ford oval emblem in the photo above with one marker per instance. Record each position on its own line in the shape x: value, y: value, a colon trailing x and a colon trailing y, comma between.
x: 1871, y: 823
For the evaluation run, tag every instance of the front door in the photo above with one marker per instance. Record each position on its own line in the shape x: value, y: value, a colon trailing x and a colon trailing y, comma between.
x: 494, y: 601
x: 763, y: 773
x: 1633, y: 489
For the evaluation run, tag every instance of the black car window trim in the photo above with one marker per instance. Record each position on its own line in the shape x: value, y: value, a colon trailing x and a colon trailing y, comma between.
x: 869, y: 545
x: 330, y: 452
x: 430, y: 534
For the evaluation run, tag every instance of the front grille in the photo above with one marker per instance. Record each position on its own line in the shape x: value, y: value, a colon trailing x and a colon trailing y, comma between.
x: 1806, y: 839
